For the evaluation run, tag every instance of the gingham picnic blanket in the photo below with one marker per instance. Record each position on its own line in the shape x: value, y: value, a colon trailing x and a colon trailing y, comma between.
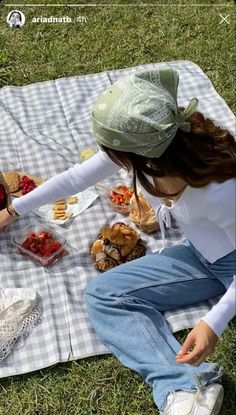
x: 43, y: 128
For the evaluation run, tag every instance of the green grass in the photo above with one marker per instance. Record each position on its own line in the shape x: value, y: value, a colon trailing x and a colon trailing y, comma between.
x: 113, y: 37
x: 100, y: 386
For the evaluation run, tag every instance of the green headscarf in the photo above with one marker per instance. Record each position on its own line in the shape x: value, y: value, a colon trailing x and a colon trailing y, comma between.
x: 139, y: 112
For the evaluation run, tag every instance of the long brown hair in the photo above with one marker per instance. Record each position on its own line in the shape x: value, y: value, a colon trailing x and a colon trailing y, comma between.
x: 206, y: 154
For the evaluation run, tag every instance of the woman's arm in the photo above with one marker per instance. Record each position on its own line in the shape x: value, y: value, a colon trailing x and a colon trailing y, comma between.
x: 219, y: 316
x: 204, y: 336
x: 69, y: 182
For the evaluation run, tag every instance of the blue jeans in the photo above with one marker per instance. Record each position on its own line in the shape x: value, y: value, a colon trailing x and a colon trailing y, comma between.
x: 125, y: 306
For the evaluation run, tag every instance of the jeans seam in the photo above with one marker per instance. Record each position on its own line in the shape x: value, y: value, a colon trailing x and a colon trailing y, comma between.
x: 145, y: 331
x: 120, y: 293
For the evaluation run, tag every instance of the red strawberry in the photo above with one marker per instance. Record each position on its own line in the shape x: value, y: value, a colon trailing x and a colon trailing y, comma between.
x: 27, y: 185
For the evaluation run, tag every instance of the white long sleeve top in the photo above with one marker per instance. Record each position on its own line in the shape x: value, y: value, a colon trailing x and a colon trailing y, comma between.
x: 206, y: 216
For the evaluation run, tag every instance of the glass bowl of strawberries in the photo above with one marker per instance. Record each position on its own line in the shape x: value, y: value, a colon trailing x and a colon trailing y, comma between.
x: 119, y: 197
x: 41, y: 244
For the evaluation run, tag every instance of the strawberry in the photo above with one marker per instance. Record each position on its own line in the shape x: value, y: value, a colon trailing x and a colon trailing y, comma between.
x: 27, y: 185
x: 41, y: 243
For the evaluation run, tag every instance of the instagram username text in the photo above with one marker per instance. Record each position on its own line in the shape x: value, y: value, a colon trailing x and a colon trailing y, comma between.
x: 63, y: 19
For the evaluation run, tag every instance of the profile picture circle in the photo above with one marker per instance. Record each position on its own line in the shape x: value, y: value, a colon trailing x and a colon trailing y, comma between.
x: 16, y: 19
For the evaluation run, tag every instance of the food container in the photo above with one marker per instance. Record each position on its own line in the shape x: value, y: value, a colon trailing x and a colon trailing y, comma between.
x: 119, y: 198
x: 46, y: 260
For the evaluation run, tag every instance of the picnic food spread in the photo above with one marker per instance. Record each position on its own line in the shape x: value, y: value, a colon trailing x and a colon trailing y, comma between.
x: 116, y: 245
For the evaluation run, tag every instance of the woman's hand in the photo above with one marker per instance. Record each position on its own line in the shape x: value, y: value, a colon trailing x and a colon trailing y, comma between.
x: 6, y: 220
x: 201, y: 341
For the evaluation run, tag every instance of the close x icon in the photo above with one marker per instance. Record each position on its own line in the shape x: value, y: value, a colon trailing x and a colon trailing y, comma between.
x: 224, y: 19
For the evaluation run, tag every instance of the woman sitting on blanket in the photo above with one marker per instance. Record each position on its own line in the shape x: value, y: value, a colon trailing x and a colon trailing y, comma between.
x: 179, y: 156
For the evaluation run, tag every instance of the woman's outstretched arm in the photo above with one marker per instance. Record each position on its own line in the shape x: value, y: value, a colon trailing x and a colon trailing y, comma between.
x: 74, y: 180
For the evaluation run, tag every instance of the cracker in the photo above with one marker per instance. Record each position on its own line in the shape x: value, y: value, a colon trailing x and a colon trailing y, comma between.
x: 69, y: 214
x: 59, y: 217
x: 60, y: 202
x: 59, y: 212
x: 60, y: 207
x: 72, y: 199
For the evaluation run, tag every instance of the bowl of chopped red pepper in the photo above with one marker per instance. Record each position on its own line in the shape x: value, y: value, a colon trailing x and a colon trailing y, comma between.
x: 41, y: 244
x: 119, y: 198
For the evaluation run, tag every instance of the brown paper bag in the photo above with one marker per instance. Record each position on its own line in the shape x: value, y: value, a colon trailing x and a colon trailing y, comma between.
x: 143, y: 216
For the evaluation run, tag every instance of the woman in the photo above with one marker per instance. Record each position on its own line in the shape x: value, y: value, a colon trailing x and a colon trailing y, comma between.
x: 189, y: 164
x: 16, y: 19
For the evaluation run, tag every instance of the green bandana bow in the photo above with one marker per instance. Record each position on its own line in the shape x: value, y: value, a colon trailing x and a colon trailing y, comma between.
x: 139, y: 112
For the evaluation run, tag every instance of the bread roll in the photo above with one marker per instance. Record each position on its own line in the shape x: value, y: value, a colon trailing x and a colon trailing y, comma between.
x: 13, y: 180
